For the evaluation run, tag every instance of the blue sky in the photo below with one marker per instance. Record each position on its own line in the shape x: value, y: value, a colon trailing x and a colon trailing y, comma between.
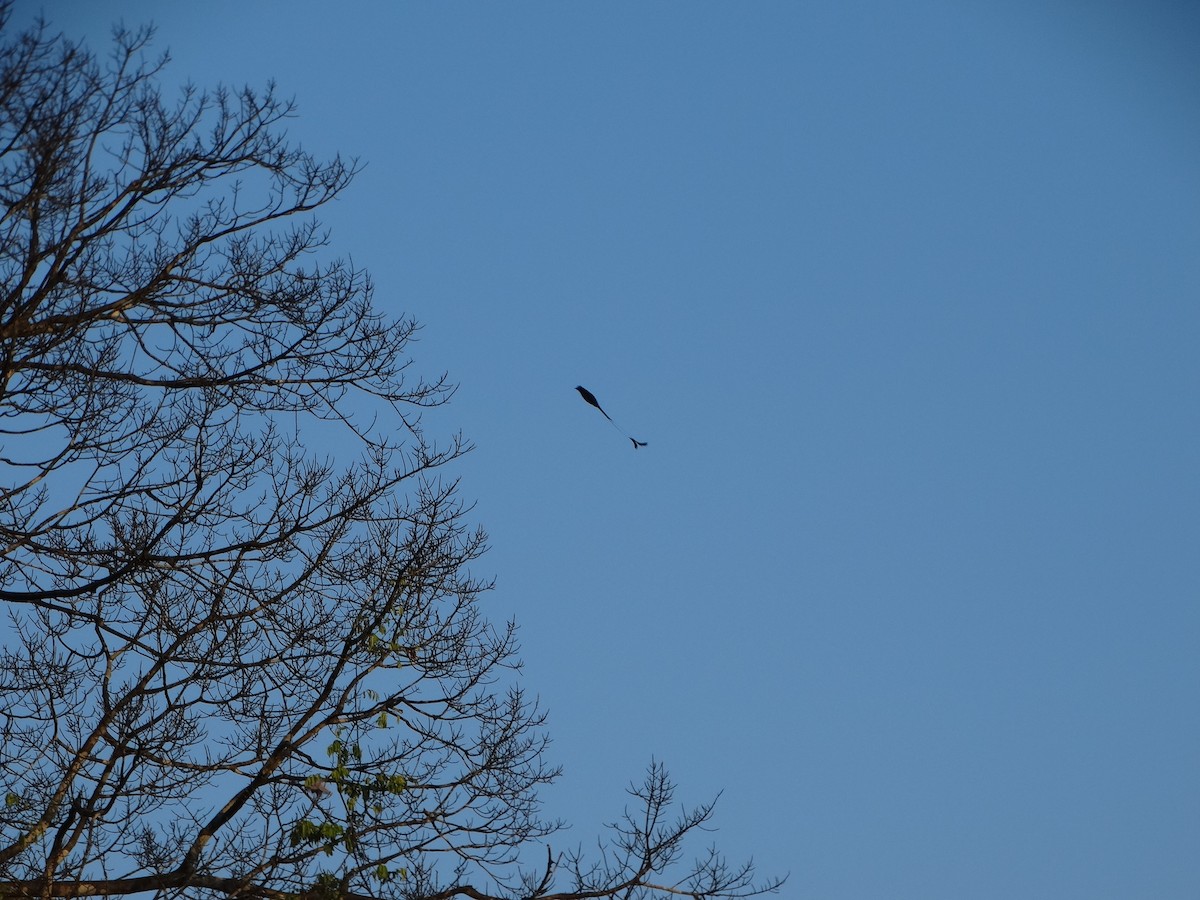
x: 905, y: 299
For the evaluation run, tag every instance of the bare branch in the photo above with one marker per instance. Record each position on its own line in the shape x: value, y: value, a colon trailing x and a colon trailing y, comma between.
x: 238, y: 663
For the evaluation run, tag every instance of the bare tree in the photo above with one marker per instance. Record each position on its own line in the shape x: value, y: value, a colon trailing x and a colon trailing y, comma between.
x: 233, y: 664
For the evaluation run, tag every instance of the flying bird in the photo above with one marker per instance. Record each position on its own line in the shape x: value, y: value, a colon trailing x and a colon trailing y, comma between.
x: 589, y: 397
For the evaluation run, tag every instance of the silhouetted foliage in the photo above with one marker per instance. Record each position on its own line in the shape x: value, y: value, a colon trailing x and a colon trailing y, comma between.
x: 234, y: 664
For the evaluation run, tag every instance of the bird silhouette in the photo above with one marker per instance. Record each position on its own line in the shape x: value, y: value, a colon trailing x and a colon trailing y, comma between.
x: 589, y: 397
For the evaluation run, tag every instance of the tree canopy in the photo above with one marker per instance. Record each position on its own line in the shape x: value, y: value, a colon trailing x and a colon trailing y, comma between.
x: 236, y: 663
